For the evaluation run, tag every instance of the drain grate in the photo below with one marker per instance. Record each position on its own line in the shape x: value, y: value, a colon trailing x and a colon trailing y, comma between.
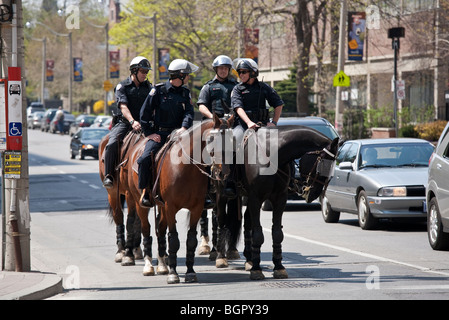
x: 291, y: 284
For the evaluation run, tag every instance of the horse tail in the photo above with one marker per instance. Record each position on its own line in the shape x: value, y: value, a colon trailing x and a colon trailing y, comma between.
x: 110, y: 210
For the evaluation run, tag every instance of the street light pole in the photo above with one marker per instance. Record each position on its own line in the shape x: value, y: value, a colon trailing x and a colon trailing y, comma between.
x: 70, y: 66
x: 339, y: 107
x: 44, y: 67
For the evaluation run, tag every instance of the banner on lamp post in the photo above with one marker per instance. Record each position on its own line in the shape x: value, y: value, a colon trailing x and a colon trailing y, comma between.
x: 77, y: 69
x: 114, y: 64
x: 49, y: 66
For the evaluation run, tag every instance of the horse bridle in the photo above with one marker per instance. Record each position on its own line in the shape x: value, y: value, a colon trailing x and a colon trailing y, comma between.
x: 312, y: 176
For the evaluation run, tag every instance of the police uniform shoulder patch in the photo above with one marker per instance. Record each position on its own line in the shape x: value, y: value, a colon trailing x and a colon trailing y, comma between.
x: 118, y: 87
x: 153, y: 92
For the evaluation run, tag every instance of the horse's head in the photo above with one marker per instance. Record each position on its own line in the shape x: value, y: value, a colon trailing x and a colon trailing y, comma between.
x: 316, y: 167
x: 222, y: 138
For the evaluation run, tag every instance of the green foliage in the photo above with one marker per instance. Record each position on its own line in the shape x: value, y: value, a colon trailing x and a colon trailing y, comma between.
x: 287, y: 91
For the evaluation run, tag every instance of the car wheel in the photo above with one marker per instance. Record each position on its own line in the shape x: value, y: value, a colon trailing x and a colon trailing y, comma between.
x: 438, y: 239
x: 329, y: 215
x: 80, y: 151
x: 366, y: 219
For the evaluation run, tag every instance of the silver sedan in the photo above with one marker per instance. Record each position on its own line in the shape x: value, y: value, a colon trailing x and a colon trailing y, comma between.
x: 378, y: 178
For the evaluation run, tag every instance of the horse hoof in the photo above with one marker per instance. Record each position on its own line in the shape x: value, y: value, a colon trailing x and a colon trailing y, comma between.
x: 204, y: 248
x: 191, y: 278
x: 172, y: 279
x: 233, y: 254
x: 148, y: 269
x: 280, y: 274
x: 137, y: 252
x: 161, y: 270
x: 248, y: 266
x: 128, y: 261
x: 119, y: 256
x: 221, y: 263
x: 256, y: 275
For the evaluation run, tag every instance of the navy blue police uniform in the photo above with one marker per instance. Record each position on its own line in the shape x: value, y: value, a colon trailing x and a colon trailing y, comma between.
x: 133, y: 96
x: 216, y: 95
x: 165, y: 109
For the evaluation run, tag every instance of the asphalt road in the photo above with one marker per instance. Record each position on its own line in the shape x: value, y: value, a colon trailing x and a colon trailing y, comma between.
x: 72, y: 236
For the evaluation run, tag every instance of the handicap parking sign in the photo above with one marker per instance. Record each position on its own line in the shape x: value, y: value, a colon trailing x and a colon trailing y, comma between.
x: 15, y: 129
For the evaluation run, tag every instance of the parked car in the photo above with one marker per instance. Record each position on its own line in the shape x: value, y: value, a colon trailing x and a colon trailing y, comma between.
x: 35, y: 119
x: 378, y: 178
x: 85, y: 142
x: 48, y: 117
x: 82, y: 121
x: 100, y: 120
x: 68, y: 120
x: 34, y: 107
x: 317, y: 123
x: 437, y: 194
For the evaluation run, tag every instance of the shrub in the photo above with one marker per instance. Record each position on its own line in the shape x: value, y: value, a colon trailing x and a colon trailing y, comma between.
x: 431, y: 131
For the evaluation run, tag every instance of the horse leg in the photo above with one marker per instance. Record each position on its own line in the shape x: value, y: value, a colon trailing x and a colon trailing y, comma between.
x: 128, y: 258
x: 213, y: 252
x: 142, y: 213
x: 137, y: 251
x: 279, y: 271
x: 117, y: 215
x: 221, y: 260
x: 173, y: 247
x: 234, y: 225
x: 191, y: 244
x: 247, y: 234
x: 257, y: 238
x: 162, y: 245
x: 204, y: 223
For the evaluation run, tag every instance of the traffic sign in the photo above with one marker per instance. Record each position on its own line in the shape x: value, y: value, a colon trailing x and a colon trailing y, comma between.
x: 107, y: 85
x: 342, y: 80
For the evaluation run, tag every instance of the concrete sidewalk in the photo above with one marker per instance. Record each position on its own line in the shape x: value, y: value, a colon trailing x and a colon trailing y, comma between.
x: 29, y: 285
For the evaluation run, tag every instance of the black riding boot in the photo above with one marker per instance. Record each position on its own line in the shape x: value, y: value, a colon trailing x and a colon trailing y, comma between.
x: 110, y: 157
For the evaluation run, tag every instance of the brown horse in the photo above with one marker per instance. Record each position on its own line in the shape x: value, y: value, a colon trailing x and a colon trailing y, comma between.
x: 125, y: 187
x: 182, y: 183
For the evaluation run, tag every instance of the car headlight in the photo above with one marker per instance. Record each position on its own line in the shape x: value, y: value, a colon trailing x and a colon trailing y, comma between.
x: 88, y: 146
x: 392, y: 192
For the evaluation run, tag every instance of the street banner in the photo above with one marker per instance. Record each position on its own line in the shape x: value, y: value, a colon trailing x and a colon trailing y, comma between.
x: 356, y: 35
x: 49, y: 66
x: 114, y: 64
x: 164, y: 60
x: 252, y: 44
x: 77, y: 69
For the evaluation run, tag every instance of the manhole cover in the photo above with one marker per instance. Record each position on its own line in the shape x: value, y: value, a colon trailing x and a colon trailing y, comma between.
x: 291, y: 284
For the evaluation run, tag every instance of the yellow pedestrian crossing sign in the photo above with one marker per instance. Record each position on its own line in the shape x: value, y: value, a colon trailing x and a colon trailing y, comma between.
x: 342, y: 80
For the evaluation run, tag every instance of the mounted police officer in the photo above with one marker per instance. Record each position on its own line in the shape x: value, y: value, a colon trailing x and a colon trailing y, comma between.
x: 130, y: 95
x: 249, y: 97
x: 215, y: 97
x: 168, y: 107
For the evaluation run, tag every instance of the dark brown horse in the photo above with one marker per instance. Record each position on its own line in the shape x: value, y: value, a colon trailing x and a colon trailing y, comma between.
x: 182, y: 183
x: 125, y: 188
x: 264, y: 168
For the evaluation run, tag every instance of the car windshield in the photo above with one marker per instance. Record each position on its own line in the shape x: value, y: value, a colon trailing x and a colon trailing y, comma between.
x: 94, y: 134
x: 395, y: 155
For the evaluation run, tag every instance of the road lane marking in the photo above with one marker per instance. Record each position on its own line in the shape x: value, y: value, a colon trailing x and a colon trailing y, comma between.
x: 362, y: 254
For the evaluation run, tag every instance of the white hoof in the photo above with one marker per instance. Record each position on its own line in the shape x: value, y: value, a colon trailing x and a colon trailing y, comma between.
x: 161, y: 266
x: 221, y: 263
x: 204, y: 248
x: 172, y: 279
x: 128, y: 261
x: 148, y: 269
x: 119, y: 256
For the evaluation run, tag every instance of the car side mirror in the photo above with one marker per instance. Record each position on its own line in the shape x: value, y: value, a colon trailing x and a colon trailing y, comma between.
x: 346, y: 165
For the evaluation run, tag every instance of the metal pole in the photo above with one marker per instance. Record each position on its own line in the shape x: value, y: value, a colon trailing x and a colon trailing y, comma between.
x: 71, y: 71
x: 339, y: 107
x: 154, y: 50
x: 395, y: 78
x: 106, y: 106
x: 44, y: 57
